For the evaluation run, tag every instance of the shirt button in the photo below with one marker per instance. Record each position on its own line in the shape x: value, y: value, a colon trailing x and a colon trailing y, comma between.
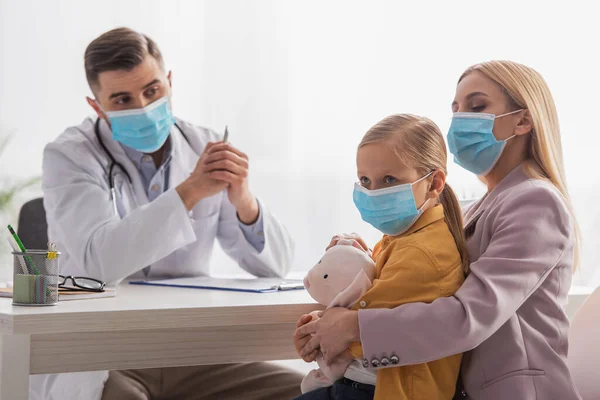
x: 261, y: 234
x: 154, y: 187
x: 363, y: 304
x: 146, y: 158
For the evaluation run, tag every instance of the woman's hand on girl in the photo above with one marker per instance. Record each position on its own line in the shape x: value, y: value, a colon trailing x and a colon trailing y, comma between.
x: 332, y: 334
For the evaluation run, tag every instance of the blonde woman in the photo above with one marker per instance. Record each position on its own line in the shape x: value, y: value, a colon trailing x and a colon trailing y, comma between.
x: 508, y: 317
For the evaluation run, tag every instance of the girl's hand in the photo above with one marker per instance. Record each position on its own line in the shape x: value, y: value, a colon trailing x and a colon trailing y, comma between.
x: 300, y: 340
x: 355, y: 240
x: 332, y: 334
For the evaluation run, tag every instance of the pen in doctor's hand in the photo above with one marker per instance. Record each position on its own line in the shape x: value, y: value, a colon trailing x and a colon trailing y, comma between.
x: 226, y: 135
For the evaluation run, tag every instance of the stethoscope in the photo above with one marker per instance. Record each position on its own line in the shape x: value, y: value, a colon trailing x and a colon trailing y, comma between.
x: 113, y: 163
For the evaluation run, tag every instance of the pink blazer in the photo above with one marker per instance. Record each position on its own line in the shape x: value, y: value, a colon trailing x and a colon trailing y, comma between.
x: 508, y: 317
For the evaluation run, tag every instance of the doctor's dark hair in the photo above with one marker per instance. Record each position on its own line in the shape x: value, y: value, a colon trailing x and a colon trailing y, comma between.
x: 118, y: 49
x: 418, y: 143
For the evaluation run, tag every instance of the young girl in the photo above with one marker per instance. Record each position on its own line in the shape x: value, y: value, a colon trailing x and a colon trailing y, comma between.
x: 422, y: 256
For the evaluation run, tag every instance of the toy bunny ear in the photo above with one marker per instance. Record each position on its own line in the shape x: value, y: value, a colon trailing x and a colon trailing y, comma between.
x: 350, y: 242
x: 352, y: 293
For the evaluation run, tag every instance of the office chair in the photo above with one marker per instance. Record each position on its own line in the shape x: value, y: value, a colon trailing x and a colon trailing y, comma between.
x: 33, y: 229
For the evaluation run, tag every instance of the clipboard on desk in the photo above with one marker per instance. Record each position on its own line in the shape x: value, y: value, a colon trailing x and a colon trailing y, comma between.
x: 252, y: 285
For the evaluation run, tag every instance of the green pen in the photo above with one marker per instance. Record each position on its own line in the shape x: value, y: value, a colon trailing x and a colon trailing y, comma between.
x: 24, y: 250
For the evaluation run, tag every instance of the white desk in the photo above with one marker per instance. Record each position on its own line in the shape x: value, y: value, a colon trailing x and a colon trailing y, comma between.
x: 145, y: 327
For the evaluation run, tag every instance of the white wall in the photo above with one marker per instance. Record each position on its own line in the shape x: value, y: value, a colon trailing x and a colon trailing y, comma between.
x: 299, y: 82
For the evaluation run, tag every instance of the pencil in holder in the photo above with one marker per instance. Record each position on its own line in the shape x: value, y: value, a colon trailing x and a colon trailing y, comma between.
x: 35, y: 278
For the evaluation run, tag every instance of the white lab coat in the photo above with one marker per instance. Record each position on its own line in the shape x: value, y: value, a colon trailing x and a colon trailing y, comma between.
x: 161, y: 234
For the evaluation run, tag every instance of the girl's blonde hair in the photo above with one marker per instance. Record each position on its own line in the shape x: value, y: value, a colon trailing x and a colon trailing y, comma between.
x: 525, y: 88
x: 418, y: 143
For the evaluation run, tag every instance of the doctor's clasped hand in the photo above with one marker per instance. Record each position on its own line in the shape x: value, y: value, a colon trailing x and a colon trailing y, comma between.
x: 226, y: 163
x: 221, y: 167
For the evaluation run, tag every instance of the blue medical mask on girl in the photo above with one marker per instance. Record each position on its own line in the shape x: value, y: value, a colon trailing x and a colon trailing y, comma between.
x: 472, y: 142
x: 390, y: 210
x: 143, y: 129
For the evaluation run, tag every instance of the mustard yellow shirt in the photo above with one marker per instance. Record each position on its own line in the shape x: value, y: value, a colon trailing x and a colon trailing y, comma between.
x: 420, y: 265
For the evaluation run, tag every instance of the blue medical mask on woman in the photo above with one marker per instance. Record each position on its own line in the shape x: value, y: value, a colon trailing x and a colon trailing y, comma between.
x: 391, y: 210
x: 143, y: 129
x: 472, y: 142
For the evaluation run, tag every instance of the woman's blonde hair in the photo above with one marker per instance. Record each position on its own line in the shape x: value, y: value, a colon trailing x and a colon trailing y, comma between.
x: 418, y: 143
x: 525, y: 88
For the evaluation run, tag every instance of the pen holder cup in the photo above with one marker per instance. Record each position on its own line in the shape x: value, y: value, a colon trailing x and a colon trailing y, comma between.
x: 35, y: 278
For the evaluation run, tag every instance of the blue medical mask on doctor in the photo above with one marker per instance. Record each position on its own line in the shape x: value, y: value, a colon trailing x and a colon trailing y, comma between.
x: 390, y: 210
x: 143, y: 129
x: 472, y: 142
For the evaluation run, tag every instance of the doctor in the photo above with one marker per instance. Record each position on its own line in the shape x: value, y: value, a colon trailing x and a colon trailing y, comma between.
x: 138, y: 193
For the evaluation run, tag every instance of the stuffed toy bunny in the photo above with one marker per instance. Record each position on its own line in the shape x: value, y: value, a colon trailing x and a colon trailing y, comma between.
x: 339, y: 279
